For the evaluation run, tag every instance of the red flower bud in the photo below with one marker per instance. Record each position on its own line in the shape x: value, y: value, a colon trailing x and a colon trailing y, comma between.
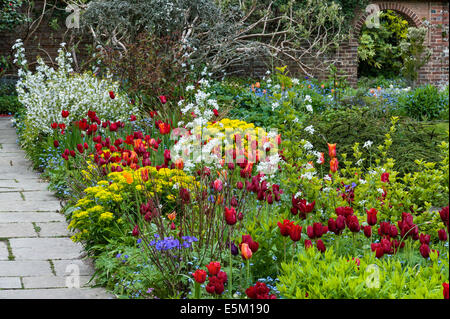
x: 65, y: 114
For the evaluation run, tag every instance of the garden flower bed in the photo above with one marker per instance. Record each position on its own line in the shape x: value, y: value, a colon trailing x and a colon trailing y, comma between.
x: 193, y: 200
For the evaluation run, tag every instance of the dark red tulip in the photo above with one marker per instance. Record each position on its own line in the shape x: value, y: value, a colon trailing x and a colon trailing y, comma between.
x: 80, y: 148
x: 135, y: 231
x: 321, y: 246
x: 425, y: 250
x: 163, y: 99
x: 442, y: 234
x: 385, y: 177
x: 295, y: 232
x: 56, y: 143
x: 372, y: 216
x: 112, y: 95
x: 65, y: 114
x: 445, y: 291
x: 424, y: 239
x: 285, y: 227
x: 308, y: 244
x: 367, y: 231
x: 310, y: 232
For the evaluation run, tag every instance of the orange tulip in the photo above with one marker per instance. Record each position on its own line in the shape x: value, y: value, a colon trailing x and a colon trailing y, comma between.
x: 257, y: 85
x: 179, y: 164
x: 332, y: 150
x: 246, y: 251
x: 334, y: 164
x: 172, y: 216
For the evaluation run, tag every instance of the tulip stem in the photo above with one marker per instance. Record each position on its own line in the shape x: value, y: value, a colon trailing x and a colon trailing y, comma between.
x: 230, y: 275
x: 196, y: 290
x: 249, y: 282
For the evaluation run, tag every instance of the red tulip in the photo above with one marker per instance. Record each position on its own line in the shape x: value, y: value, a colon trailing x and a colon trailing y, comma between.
x: 56, y: 143
x: 321, y: 246
x: 230, y: 216
x: 164, y: 128
x: 285, y: 227
x: 367, y: 231
x: 295, y: 232
x: 442, y: 234
x: 54, y: 125
x: 135, y: 231
x: 65, y: 114
x: 112, y: 95
x: 372, y: 216
x: 424, y: 239
x: 332, y: 150
x: 425, y: 250
x: 308, y: 244
x: 216, y: 113
x: 318, y: 230
x: 199, y: 276
x: 163, y: 99
x: 385, y: 177
x: 445, y: 291
x: 213, y: 268
x: 334, y: 164
x: 80, y: 148
x: 259, y: 291
x: 310, y: 232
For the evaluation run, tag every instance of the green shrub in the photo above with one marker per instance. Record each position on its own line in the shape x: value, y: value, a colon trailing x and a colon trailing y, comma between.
x: 412, y: 141
x: 425, y: 102
x: 9, y: 104
x: 326, y: 276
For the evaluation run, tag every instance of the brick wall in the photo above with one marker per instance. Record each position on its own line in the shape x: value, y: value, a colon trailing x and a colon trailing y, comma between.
x: 436, y: 13
x: 45, y: 42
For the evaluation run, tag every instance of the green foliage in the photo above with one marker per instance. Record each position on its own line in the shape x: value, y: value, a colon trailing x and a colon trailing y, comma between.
x: 425, y: 103
x: 9, y: 104
x: 10, y: 14
x: 412, y: 140
x: 327, y: 276
x: 379, y: 48
x: 414, y: 52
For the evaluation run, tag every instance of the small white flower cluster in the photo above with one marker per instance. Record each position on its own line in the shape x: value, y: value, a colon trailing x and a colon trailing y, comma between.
x: 189, y: 147
x: 47, y: 92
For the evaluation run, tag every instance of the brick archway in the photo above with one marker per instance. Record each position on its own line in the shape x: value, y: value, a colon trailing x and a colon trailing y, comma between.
x: 405, y: 12
x: 415, y: 12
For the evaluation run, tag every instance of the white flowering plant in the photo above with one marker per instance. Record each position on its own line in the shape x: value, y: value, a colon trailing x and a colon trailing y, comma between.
x: 47, y: 92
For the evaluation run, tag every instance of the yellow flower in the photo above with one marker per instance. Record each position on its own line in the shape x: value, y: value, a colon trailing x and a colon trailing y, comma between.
x: 106, y: 216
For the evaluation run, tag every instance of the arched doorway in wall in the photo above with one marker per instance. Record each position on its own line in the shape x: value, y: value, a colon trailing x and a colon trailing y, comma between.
x: 378, y: 49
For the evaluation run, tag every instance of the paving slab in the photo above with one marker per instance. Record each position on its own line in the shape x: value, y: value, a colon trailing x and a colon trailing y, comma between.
x: 65, y: 267
x: 45, y: 248
x: 24, y: 217
x: 10, y: 282
x: 56, y: 229
x: 4, y: 254
x: 16, y: 230
x: 57, y: 293
x: 56, y: 282
x: 15, y: 196
x: 29, y: 206
x: 17, y: 268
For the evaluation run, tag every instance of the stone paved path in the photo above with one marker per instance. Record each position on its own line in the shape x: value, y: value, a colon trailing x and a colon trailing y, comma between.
x: 37, y: 258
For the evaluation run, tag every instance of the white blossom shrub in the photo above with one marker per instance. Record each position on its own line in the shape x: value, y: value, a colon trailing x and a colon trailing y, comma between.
x: 48, y: 91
